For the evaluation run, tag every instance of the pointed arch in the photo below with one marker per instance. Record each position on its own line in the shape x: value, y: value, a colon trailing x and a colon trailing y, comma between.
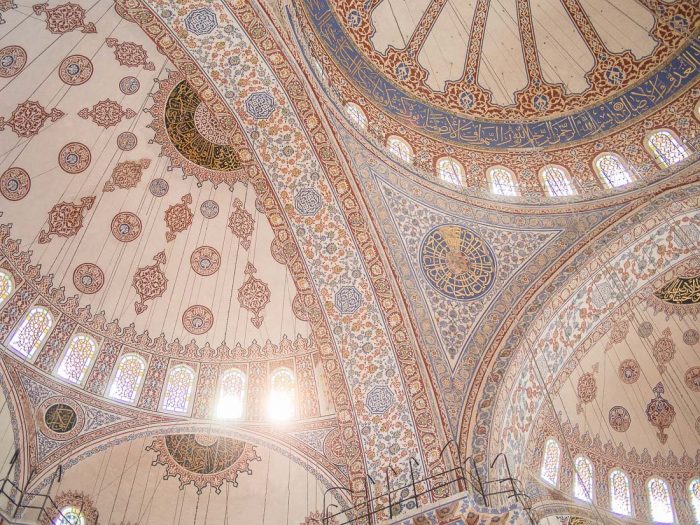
x: 231, y: 394
x: 556, y: 181
x: 129, y: 374
x: 620, y: 495
x: 502, y: 181
x: 583, y: 479
x: 399, y: 148
x: 613, y: 170
x: 7, y: 286
x: 179, y: 387
x: 666, y: 148
x: 694, y: 495
x: 77, y: 359
x: 70, y: 515
x: 660, y: 506
x: 450, y: 170
x: 356, y: 115
x: 32, y: 331
x: 551, y: 457
x: 281, y: 400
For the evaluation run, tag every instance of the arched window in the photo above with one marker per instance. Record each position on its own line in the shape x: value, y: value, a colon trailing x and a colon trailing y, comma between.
x: 178, y: 389
x: 231, y: 395
x: 659, y: 501
x: 694, y: 494
x: 450, y: 170
x: 127, y: 380
x: 7, y: 286
x: 70, y: 516
x: 583, y: 479
x: 77, y: 359
x: 612, y: 170
x: 399, y: 148
x: 32, y: 331
x: 556, y: 181
x: 319, y: 68
x: 620, y: 499
x: 502, y: 181
x: 280, y: 403
x: 665, y: 147
x: 550, y: 462
x: 356, y: 114
x: 697, y: 110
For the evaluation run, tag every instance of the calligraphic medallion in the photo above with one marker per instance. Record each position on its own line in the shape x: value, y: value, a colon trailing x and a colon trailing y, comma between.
x: 681, y: 291
x: 457, y: 262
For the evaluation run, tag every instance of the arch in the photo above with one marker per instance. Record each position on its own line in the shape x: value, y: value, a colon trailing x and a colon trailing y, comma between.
x: 551, y: 457
x: 660, y: 506
x: 281, y: 402
x: 399, y: 148
x: 70, y: 515
x: 620, y: 496
x: 694, y: 495
x: 318, y: 67
x: 502, y: 181
x: 7, y: 286
x: 31, y: 333
x: 356, y: 115
x: 77, y: 359
x: 583, y: 479
x: 696, y: 111
x: 613, y: 170
x: 128, y: 377
x: 179, y: 387
x: 666, y: 148
x: 556, y: 181
x: 231, y: 400
x: 450, y: 170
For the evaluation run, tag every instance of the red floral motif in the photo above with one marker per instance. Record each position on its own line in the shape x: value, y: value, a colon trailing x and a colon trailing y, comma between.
x: 15, y: 184
x: 126, y: 174
x: 64, y: 18
x: 74, y: 158
x: 130, y: 54
x: 660, y: 413
x: 586, y: 389
x: 88, y: 278
x: 197, y: 319
x: 106, y: 113
x: 664, y: 350
x: 692, y: 378
x: 241, y: 223
x: 65, y: 219
x: 12, y: 58
x: 254, y: 295
x: 205, y: 260
x: 178, y: 217
x: 28, y: 118
x: 149, y: 282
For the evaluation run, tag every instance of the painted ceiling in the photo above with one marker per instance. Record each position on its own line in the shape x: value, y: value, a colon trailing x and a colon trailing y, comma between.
x: 181, y: 183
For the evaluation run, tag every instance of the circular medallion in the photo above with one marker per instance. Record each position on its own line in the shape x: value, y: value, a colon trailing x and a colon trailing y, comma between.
x: 645, y: 329
x: 457, y: 262
x: 209, y: 209
x: 197, y: 319
x: 74, y: 158
x: 88, y: 278
x: 692, y: 378
x: 158, y: 187
x: 15, y: 184
x: 205, y: 260
x: 60, y: 418
x: 691, y: 337
x: 129, y: 85
x: 126, y: 226
x: 619, y: 418
x: 12, y: 61
x: 75, y: 70
x: 126, y: 141
x: 629, y: 371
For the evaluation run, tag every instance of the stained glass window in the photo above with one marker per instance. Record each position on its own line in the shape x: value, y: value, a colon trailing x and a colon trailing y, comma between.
x: 613, y: 170
x: 128, y: 378
x: 32, y: 331
x: 356, y: 115
x: 450, y: 170
x: 231, y: 395
x: 550, y: 461
x: 556, y: 181
x: 583, y: 479
x: 77, y: 359
x: 70, y: 516
x: 280, y: 405
x: 620, y: 498
x: 178, y: 389
x: 319, y: 68
x: 7, y: 286
x: 502, y: 181
x: 399, y: 148
x: 666, y: 148
x: 659, y: 501
x: 694, y: 493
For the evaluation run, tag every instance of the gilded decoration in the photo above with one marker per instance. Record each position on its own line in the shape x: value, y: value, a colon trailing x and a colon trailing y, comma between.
x: 681, y: 290
x: 203, y: 460
x: 60, y: 418
x: 457, y: 262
